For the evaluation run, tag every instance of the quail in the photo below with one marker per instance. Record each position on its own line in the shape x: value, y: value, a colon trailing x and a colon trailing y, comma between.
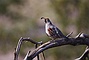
x: 51, y: 30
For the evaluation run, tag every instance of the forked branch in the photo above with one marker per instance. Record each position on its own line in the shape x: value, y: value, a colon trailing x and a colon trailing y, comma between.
x: 17, y: 49
x: 80, y: 39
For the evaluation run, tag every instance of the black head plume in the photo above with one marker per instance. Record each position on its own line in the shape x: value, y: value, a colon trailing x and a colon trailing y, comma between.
x: 47, y: 20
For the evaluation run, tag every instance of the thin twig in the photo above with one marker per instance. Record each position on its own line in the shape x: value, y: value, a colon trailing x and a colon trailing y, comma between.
x: 69, y: 34
x: 30, y: 40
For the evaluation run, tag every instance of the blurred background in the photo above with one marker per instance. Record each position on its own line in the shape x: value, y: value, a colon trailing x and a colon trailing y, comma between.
x: 21, y: 18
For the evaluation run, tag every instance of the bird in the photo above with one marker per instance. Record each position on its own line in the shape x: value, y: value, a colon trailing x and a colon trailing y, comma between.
x: 51, y: 30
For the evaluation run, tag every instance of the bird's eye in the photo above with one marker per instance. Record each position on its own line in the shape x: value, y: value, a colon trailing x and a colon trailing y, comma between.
x: 45, y: 21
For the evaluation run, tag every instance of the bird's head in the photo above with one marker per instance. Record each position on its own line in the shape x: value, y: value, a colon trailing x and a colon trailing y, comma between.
x: 46, y: 20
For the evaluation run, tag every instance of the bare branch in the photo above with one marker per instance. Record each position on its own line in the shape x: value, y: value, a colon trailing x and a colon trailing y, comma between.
x: 43, y: 54
x: 38, y: 54
x: 80, y: 39
x: 69, y: 34
x: 27, y: 55
x: 84, y: 55
x: 58, y: 42
x: 30, y: 40
x: 17, y: 49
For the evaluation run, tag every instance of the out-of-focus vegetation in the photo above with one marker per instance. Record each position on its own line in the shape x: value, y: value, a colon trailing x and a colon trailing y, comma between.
x: 72, y: 12
x: 4, y: 7
x: 8, y: 18
x: 21, y: 18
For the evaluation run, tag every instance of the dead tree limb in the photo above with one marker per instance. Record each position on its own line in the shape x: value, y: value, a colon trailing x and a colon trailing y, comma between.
x: 17, y: 49
x: 79, y: 40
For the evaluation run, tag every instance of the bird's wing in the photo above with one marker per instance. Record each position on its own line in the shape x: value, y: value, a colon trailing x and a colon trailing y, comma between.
x: 60, y: 34
x: 52, y: 31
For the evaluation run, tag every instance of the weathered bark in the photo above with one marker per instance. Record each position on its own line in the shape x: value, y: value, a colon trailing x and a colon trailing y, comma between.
x: 80, y: 39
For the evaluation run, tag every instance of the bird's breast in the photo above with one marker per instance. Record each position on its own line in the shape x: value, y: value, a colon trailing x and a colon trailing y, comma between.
x: 46, y: 29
